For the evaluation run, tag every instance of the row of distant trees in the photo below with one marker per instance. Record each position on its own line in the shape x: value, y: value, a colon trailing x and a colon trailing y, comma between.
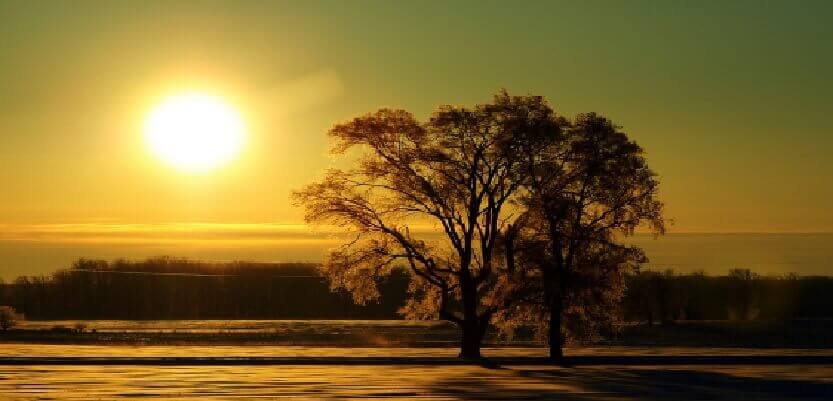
x: 665, y: 297
x: 169, y: 288
x: 173, y: 288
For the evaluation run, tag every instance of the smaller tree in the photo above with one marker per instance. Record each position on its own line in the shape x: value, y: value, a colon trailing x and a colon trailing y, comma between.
x: 591, y: 303
x: 743, y: 294
x: 8, y: 317
x: 589, y: 188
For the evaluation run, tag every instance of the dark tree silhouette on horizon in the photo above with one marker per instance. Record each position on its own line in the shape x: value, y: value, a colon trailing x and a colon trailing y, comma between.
x: 457, y: 172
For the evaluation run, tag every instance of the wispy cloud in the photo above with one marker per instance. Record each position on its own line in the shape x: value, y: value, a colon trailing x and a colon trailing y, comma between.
x: 163, y: 233
x: 176, y: 233
x: 303, y: 93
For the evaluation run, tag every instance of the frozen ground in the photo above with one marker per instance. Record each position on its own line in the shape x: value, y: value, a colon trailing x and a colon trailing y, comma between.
x: 240, y: 326
x: 793, y: 382
x: 254, y: 351
x: 734, y: 381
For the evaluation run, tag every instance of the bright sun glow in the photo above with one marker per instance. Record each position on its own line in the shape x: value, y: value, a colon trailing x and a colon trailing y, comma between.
x: 194, y: 131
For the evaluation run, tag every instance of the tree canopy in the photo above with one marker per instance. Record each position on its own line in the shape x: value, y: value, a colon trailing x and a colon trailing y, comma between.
x: 460, y: 199
x: 586, y: 190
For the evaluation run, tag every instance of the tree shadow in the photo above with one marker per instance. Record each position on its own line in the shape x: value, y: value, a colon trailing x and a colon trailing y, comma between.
x: 585, y: 384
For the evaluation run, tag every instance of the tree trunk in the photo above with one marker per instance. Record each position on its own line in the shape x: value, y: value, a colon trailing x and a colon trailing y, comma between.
x: 556, y: 335
x: 470, y: 340
x: 471, y: 336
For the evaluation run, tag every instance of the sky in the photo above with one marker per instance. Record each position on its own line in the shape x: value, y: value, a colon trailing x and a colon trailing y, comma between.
x: 730, y: 100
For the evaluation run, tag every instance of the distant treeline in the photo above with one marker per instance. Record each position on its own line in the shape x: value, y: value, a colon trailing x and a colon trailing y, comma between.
x: 741, y: 295
x: 170, y: 288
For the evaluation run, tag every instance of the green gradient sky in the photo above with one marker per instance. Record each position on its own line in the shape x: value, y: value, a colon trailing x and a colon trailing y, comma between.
x: 731, y: 100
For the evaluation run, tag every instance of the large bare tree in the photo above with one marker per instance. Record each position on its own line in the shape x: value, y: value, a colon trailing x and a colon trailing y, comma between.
x: 456, y: 174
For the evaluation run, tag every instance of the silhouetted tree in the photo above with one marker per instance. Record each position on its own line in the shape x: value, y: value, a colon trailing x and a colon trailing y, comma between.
x: 457, y: 172
x: 641, y: 300
x: 8, y: 317
x: 589, y: 186
x: 743, y: 299
x: 591, y: 302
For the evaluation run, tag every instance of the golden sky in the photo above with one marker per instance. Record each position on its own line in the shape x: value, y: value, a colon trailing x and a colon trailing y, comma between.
x: 730, y: 101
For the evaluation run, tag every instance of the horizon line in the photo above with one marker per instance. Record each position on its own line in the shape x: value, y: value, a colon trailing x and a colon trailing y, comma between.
x: 42, y: 231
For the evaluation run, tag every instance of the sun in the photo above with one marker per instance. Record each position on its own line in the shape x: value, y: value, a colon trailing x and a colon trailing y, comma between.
x: 194, y: 131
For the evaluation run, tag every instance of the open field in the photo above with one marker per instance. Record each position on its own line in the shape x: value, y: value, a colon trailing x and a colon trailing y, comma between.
x: 404, y: 333
x: 427, y: 382
x: 677, y: 373
x: 261, y: 351
x: 178, y: 360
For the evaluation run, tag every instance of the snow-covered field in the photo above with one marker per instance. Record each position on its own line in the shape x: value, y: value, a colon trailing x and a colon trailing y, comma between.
x: 255, y: 351
x: 794, y: 381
